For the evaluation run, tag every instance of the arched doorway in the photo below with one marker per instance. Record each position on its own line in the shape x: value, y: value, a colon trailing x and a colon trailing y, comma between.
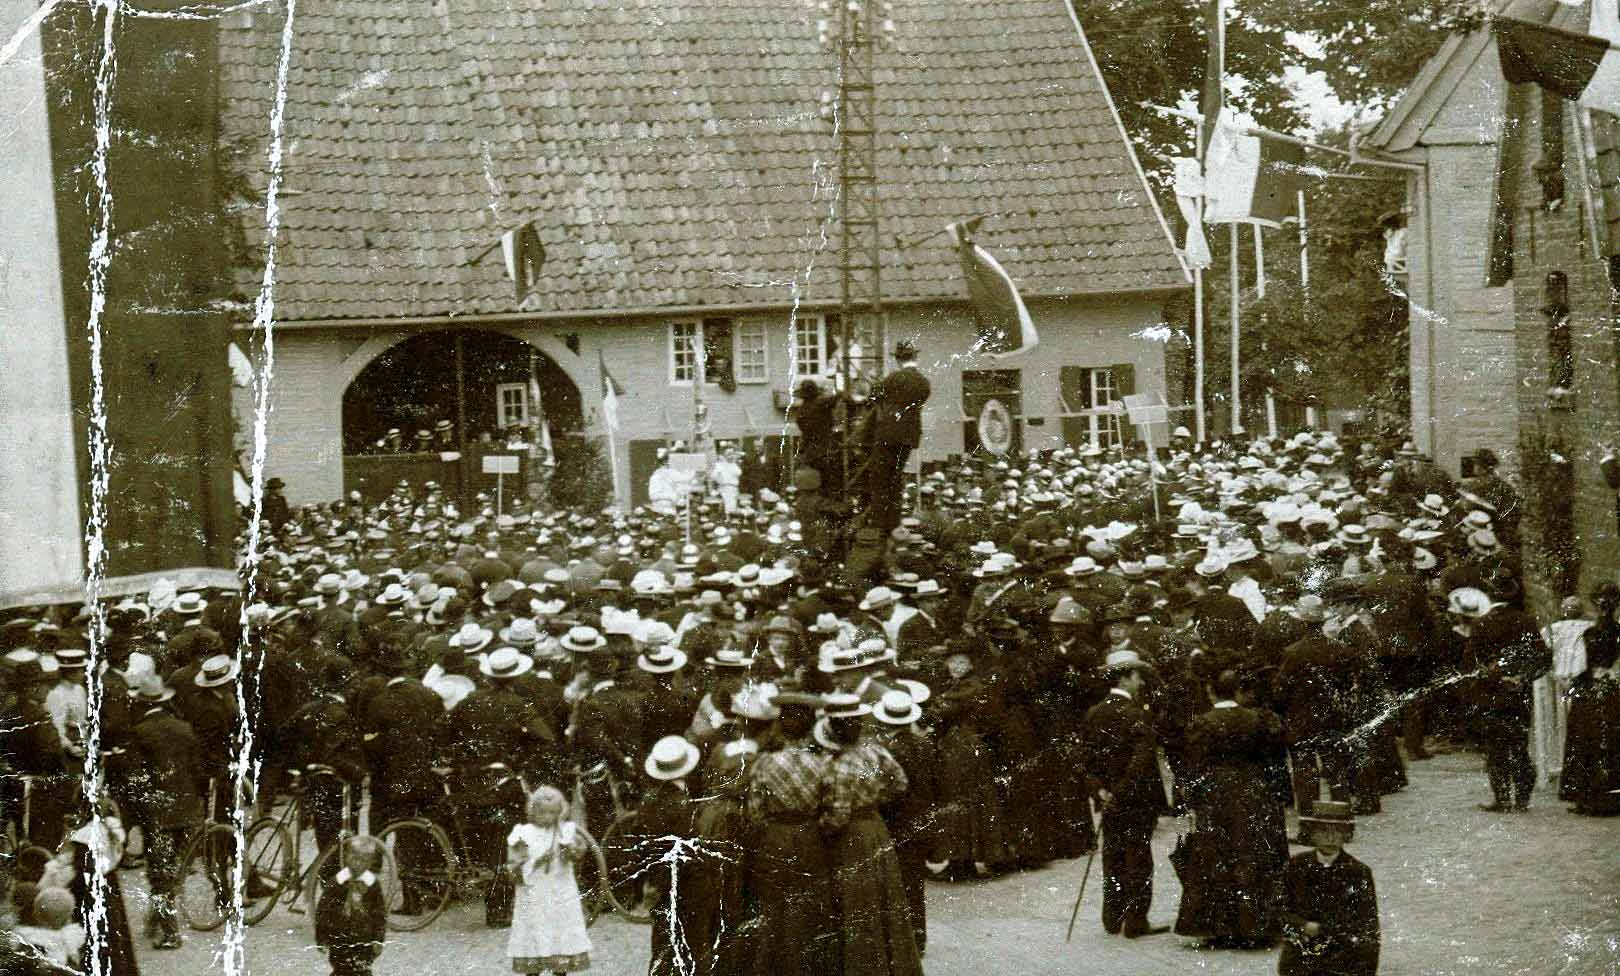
x: 413, y: 386
x: 430, y: 381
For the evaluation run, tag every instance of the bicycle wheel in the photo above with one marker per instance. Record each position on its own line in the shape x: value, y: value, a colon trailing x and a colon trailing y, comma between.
x: 622, y: 867
x: 327, y: 864
x: 271, y: 866
x: 205, y: 889
x: 418, y: 875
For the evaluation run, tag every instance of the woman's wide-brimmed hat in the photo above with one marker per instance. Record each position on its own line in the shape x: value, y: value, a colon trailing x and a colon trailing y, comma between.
x: 521, y: 632
x: 472, y: 638
x: 1469, y: 601
x: 671, y: 758
x: 661, y: 659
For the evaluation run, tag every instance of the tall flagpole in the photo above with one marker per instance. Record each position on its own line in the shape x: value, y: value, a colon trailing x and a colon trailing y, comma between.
x: 1237, y: 402
x: 1305, y: 281
x: 1198, y: 306
x: 1260, y: 292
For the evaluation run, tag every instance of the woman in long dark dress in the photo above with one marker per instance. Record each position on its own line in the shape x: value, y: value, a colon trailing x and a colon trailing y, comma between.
x: 874, y: 917
x: 1235, y: 858
x: 790, y: 930
x: 1592, y: 742
x: 970, y: 828
x: 718, y: 871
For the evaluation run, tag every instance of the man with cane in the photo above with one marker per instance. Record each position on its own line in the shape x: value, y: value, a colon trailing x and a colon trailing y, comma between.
x: 1122, y: 763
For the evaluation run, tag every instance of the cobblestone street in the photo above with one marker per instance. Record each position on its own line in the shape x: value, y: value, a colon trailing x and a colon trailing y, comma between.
x: 1461, y: 892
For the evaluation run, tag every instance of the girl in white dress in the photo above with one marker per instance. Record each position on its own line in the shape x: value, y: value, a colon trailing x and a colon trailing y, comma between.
x: 548, y: 924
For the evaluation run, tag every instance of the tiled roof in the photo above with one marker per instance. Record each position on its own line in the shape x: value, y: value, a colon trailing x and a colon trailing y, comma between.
x: 669, y: 152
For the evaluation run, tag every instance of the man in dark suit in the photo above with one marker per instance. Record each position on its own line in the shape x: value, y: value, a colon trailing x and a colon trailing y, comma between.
x: 166, y: 782
x: 1312, y: 693
x: 403, y: 731
x: 896, y: 430
x: 1503, y: 649
x: 1121, y: 760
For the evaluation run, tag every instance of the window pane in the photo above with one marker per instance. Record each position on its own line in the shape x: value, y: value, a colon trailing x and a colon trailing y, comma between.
x: 807, y: 344
x: 751, y: 353
x: 717, y: 364
x: 683, y: 362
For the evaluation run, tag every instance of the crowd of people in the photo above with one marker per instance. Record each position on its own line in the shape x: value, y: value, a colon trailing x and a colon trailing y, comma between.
x: 806, y: 738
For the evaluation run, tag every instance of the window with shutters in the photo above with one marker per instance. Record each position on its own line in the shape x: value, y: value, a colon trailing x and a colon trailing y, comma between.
x: 1090, y: 393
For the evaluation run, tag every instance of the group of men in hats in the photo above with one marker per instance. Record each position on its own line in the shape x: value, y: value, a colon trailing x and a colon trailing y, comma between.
x: 1046, y: 639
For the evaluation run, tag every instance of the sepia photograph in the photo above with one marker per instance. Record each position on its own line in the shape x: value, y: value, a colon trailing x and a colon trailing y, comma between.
x: 809, y: 487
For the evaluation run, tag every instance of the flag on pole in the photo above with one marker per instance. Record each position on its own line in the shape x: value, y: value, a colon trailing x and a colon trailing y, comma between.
x: 1189, y: 187
x: 1250, y: 179
x: 611, y: 391
x: 1213, y: 95
x: 1005, y: 328
x: 524, y: 255
x: 1584, y: 68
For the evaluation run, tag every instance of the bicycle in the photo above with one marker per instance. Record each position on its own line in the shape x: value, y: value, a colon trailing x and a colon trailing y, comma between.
x: 275, y: 844
x: 205, y: 888
x: 436, y: 871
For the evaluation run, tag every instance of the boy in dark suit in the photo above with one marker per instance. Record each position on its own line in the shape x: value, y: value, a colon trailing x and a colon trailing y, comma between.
x: 351, y: 920
x: 1330, y: 906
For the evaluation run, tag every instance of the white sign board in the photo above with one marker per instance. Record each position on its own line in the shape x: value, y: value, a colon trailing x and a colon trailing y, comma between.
x: 689, y: 462
x: 501, y: 464
x: 1145, y: 408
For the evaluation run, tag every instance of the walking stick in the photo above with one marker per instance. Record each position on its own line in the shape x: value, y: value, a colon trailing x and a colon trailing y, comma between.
x: 1082, y: 895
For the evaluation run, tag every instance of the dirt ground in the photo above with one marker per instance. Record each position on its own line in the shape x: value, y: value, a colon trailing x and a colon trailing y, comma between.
x: 1460, y: 891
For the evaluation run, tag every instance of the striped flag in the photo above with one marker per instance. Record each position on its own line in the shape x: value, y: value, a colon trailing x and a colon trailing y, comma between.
x: 611, y: 391
x: 524, y: 255
x: 1250, y: 179
x: 1584, y: 68
x: 1004, y: 325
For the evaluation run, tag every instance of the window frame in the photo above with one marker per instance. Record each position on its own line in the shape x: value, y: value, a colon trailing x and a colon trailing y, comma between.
x: 801, y: 325
x: 502, y: 422
x: 696, y: 326
x: 751, y: 327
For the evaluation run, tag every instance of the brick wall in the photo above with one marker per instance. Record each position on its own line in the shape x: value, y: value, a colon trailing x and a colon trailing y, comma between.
x: 1554, y: 240
x: 314, y: 366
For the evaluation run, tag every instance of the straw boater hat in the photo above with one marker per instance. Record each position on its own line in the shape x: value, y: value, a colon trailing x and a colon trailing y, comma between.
x: 1327, y: 815
x: 521, y: 632
x: 505, y: 662
x: 1483, y: 541
x: 1354, y: 535
x: 189, y: 604
x: 672, y: 757
x: 472, y: 638
x: 583, y: 640
x: 150, y: 689
x: 928, y: 587
x: 1423, y: 559
x: 71, y: 659
x: 661, y: 659
x: 218, y: 670
x: 896, y: 707
x: 729, y: 657
x: 878, y: 596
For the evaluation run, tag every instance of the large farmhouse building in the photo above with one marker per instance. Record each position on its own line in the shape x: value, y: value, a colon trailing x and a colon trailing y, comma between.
x: 672, y: 158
